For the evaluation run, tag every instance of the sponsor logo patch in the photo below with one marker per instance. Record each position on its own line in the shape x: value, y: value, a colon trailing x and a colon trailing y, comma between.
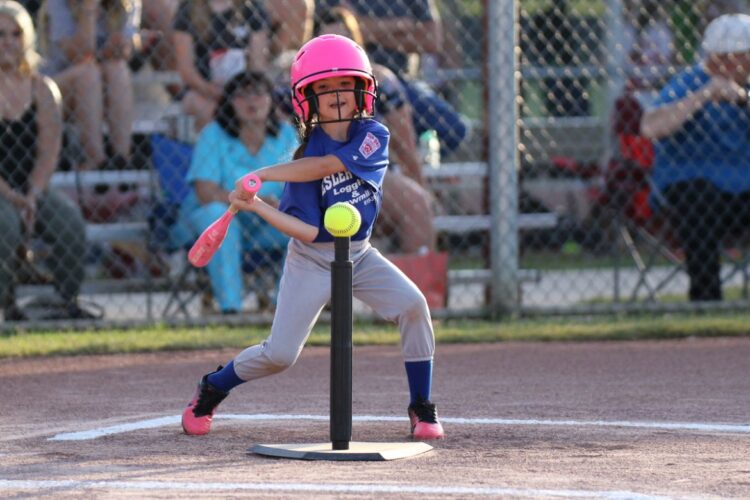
x: 369, y: 145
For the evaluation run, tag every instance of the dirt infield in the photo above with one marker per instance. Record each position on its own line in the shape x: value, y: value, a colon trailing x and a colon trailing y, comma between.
x: 605, y: 420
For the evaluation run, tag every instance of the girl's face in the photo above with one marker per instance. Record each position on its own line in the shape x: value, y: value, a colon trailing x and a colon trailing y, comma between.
x: 336, y: 100
x: 252, y: 104
x: 11, y: 43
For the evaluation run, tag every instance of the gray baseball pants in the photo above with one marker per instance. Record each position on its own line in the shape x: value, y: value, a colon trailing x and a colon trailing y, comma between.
x: 60, y: 224
x: 305, y: 289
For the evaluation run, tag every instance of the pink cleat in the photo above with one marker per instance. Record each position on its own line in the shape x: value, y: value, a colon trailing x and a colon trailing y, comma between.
x: 197, y: 417
x: 424, y: 421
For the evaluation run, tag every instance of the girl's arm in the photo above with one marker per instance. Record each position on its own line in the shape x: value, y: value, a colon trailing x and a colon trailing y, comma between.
x: 287, y: 224
x: 302, y: 170
x: 307, y: 169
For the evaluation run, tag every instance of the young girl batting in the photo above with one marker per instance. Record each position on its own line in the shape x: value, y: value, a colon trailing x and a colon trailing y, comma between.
x: 343, y: 158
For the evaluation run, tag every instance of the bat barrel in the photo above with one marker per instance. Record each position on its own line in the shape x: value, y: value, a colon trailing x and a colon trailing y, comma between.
x: 341, y: 346
x: 210, y: 240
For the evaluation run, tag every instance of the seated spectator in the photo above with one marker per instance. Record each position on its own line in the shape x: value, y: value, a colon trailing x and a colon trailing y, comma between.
x: 87, y: 51
x: 700, y: 124
x: 30, y: 141
x: 407, y: 204
x: 243, y: 137
x: 392, y: 32
x: 213, y: 41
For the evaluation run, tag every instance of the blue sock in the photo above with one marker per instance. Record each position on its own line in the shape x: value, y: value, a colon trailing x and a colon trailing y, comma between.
x: 225, y: 379
x: 419, y: 374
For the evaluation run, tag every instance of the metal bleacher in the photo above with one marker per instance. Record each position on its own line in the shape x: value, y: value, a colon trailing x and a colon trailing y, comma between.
x: 453, y: 173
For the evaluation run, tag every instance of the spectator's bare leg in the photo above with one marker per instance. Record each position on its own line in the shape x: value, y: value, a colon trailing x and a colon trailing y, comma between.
x: 199, y: 107
x: 120, y: 104
x: 81, y: 87
x: 407, y: 208
x: 158, y: 15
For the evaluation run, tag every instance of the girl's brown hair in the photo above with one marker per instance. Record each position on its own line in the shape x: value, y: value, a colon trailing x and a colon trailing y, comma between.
x: 305, y: 129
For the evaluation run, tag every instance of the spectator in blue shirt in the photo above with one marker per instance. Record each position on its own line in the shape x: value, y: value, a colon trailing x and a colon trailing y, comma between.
x: 243, y: 137
x: 701, y: 128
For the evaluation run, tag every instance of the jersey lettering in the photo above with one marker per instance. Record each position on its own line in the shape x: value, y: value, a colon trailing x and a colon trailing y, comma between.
x: 349, y: 188
x: 334, y: 180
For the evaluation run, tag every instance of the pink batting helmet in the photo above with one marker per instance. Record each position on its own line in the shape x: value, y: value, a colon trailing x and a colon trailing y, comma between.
x: 330, y: 56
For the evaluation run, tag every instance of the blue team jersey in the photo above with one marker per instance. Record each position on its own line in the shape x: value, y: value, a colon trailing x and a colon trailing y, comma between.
x: 365, y: 155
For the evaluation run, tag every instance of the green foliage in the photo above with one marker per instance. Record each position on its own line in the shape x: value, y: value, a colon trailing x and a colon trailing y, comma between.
x: 464, y: 7
x: 593, y: 8
x: 530, y: 330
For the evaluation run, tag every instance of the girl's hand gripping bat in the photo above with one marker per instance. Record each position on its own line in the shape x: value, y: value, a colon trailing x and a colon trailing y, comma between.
x: 211, y: 239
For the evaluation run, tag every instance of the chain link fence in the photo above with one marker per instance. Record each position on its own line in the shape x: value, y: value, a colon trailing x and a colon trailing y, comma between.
x: 651, y: 211
x: 521, y: 180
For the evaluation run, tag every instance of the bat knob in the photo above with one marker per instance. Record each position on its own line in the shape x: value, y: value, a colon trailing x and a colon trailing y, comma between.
x: 251, y: 183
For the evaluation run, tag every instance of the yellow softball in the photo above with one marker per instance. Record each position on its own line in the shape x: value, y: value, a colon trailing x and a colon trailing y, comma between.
x: 342, y: 220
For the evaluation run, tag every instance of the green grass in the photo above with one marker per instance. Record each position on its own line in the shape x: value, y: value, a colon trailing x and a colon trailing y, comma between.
x: 28, y: 344
x: 731, y: 294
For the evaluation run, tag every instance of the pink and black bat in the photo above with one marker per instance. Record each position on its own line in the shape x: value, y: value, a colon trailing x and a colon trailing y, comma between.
x: 211, y: 239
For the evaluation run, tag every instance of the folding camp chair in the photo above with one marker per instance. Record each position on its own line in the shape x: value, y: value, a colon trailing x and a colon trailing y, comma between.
x: 646, y: 235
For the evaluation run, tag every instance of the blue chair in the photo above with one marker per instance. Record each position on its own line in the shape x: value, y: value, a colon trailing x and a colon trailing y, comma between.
x: 171, y: 161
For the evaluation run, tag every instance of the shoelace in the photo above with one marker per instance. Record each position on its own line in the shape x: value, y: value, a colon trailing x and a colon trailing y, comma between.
x: 425, y: 412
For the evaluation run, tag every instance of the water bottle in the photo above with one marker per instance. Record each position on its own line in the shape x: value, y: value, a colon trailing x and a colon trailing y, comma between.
x: 429, y: 146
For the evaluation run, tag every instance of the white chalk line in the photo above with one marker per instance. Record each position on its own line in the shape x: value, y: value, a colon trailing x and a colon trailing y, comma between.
x: 318, y: 488
x: 175, y: 420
